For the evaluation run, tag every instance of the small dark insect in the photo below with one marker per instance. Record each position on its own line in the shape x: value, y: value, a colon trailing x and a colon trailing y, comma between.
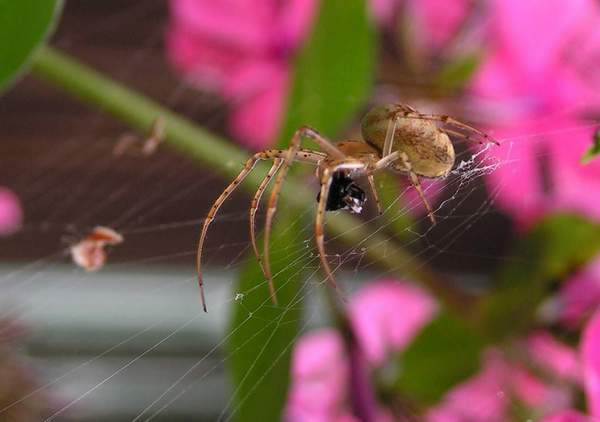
x: 344, y: 194
x: 396, y: 137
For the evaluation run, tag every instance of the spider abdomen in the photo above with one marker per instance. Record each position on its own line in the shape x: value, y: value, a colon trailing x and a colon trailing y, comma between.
x: 428, y: 148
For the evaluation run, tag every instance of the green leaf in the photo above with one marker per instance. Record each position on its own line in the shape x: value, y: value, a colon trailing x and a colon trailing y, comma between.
x: 594, y: 150
x: 458, y: 72
x: 554, y: 248
x: 262, y: 335
x: 24, y: 25
x: 390, y: 192
x: 334, y: 71
x: 444, y: 353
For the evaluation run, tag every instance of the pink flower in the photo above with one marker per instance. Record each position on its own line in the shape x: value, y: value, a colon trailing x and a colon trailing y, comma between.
x: 590, y: 355
x: 434, y: 26
x: 568, y: 416
x: 488, y: 395
x: 385, y: 315
x: 553, y: 356
x: 320, y: 377
x: 533, y: 87
x: 241, y: 49
x: 580, y: 295
x: 480, y: 398
x: 11, y: 214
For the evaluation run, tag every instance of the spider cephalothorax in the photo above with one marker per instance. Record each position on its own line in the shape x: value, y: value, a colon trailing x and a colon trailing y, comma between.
x: 344, y: 193
x: 396, y: 137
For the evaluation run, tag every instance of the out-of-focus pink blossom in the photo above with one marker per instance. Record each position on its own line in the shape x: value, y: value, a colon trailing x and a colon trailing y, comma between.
x: 386, y: 316
x: 480, y: 398
x: 319, y: 378
x: 242, y: 50
x: 535, y: 393
x: 580, y: 295
x: 435, y: 25
x: 590, y: 355
x: 488, y: 395
x: 11, y: 214
x: 533, y: 86
x: 558, y: 358
x: 568, y: 416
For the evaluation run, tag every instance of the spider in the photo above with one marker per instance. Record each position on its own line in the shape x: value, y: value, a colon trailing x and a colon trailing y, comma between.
x: 396, y: 137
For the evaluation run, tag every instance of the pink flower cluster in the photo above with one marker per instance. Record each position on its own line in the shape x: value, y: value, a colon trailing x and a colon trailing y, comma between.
x: 242, y: 50
x: 320, y: 367
x: 541, y: 373
x: 535, y: 84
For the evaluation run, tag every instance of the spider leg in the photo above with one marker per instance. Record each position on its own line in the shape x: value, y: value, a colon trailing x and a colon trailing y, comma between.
x: 264, y: 155
x: 417, y: 185
x: 329, y: 148
x: 326, y: 179
x: 459, y: 134
x: 253, y: 207
x: 371, y: 180
x: 451, y: 121
x: 387, y: 160
x: 389, y: 137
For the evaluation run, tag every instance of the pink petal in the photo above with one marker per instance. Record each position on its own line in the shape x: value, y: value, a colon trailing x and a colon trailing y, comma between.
x: 384, y: 10
x: 536, y: 394
x: 255, y: 119
x: 436, y: 25
x: 387, y: 314
x: 553, y: 355
x: 516, y: 183
x: 567, y: 416
x: 11, y: 214
x: 319, y: 377
x: 206, y: 65
x: 244, y: 24
x: 590, y: 355
x: 294, y: 22
x: 535, y: 31
x: 483, y: 397
x: 580, y: 295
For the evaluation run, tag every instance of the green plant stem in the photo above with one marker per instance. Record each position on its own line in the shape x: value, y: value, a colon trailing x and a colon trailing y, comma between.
x: 223, y: 157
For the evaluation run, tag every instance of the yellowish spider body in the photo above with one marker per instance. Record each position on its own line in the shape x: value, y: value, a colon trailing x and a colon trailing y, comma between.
x: 429, y: 149
x: 396, y: 137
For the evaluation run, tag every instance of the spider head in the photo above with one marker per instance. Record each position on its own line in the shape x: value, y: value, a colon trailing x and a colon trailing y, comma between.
x: 344, y: 193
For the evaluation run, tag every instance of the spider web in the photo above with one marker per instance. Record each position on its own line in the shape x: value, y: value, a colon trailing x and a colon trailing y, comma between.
x: 124, y: 343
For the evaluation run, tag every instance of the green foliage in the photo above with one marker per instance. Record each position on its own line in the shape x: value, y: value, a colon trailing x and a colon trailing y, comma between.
x: 594, y: 150
x: 261, y: 333
x: 24, y: 24
x: 554, y: 248
x: 399, y: 219
x: 334, y: 71
x: 444, y: 353
x: 455, y: 74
